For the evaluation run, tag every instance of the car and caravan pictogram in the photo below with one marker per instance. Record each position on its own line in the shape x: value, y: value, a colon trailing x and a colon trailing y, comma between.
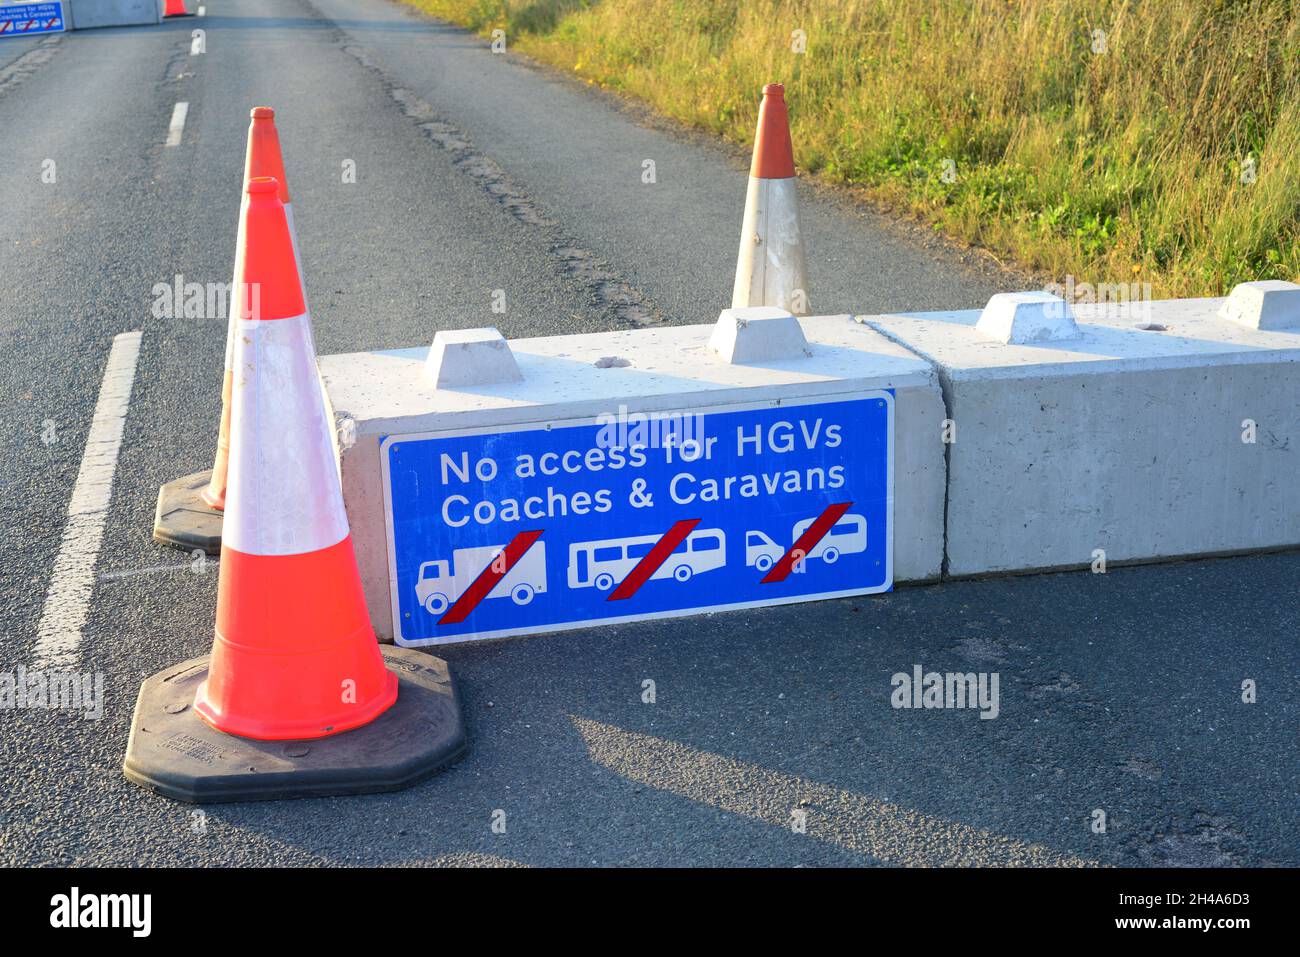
x: 605, y: 563
x: 847, y: 537
x: 441, y: 581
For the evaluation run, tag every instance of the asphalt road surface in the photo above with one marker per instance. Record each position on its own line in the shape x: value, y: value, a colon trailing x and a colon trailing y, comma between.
x: 1120, y: 693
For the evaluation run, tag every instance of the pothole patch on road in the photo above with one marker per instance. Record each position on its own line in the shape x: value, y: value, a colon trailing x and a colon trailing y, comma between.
x: 981, y: 650
x: 29, y: 63
x: 1062, y: 684
x: 1142, y: 768
x: 1209, y: 841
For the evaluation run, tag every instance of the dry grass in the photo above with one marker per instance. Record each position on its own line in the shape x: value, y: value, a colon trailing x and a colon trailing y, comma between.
x: 1118, y: 166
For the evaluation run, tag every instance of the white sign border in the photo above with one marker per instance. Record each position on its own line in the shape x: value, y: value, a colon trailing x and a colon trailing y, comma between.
x: 550, y: 423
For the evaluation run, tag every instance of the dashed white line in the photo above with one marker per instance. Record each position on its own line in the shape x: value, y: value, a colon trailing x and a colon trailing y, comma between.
x: 67, y: 603
x: 177, y: 126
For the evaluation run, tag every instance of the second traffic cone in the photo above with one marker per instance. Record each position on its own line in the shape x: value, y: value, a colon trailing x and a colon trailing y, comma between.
x: 295, y: 658
x: 261, y: 158
x: 175, y: 8
x: 189, y: 512
x: 770, y: 268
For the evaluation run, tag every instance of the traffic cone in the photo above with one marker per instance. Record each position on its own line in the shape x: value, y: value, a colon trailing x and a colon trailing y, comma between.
x: 175, y: 8
x: 286, y: 533
x: 770, y: 268
x: 189, y: 510
x: 295, y: 658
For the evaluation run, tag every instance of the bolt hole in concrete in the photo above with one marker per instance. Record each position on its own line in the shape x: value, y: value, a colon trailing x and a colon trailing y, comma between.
x: 612, y: 362
x: 1151, y: 327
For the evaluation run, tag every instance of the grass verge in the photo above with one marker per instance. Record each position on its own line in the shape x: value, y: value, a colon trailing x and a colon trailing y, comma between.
x: 1114, y: 141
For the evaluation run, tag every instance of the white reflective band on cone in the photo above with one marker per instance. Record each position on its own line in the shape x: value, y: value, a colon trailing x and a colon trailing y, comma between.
x: 297, y: 260
x: 283, y: 489
x: 770, y: 267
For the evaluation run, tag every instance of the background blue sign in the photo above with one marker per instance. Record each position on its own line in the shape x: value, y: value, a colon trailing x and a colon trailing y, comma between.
x: 29, y: 19
x: 734, y: 489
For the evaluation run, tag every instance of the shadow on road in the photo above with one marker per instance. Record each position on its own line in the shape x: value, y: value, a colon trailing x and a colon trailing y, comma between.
x: 1120, y: 694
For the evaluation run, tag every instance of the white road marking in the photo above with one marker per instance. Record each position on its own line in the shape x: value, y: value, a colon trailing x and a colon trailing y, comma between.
x: 177, y: 126
x: 203, y: 11
x: 67, y: 603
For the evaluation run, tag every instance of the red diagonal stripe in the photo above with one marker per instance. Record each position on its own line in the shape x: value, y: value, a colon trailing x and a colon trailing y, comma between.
x: 6, y: 25
x: 807, y: 541
x: 489, y: 577
x: 648, y: 565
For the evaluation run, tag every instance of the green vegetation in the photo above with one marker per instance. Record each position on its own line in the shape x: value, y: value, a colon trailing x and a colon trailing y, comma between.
x: 1112, y: 140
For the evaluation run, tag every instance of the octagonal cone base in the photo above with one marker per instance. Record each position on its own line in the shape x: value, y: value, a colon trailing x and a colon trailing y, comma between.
x: 183, y: 519
x: 173, y: 752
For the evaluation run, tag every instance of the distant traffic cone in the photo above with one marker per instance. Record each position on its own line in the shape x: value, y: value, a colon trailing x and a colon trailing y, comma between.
x: 295, y: 657
x: 175, y: 8
x: 189, y: 511
x: 770, y: 268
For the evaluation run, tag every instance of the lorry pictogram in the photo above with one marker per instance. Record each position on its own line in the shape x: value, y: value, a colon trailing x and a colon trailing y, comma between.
x: 442, y: 581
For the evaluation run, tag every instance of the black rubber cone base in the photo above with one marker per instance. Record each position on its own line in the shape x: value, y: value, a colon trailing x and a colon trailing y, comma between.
x: 173, y: 752
x: 183, y: 519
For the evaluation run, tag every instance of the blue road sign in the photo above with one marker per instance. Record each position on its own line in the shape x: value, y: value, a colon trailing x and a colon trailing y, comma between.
x: 562, y: 524
x: 29, y: 19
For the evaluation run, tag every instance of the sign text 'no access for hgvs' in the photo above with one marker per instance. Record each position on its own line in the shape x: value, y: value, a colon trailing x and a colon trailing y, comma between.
x: 569, y: 523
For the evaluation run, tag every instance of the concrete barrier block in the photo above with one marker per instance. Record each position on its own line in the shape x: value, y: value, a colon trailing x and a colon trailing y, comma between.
x: 1161, y: 431
x: 381, y: 399
x: 88, y: 14
x: 470, y: 357
x: 758, y: 334
x: 1020, y: 317
x: 1270, y: 305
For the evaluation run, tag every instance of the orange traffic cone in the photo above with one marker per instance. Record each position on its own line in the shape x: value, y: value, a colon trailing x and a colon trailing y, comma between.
x: 189, y: 511
x: 295, y: 657
x: 770, y: 268
x: 261, y: 158
x: 290, y: 611
x: 175, y: 8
